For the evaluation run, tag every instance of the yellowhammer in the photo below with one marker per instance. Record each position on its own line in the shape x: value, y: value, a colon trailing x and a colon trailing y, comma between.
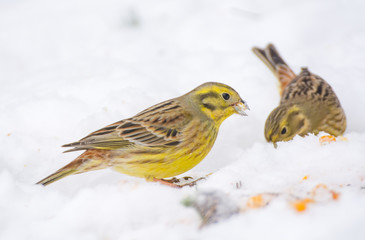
x: 162, y: 141
x: 308, y: 104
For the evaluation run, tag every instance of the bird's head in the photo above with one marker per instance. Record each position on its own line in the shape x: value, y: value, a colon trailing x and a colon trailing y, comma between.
x: 284, y: 123
x: 217, y: 101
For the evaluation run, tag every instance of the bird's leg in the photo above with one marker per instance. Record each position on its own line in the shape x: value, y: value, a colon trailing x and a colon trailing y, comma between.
x: 168, y: 182
x: 179, y: 183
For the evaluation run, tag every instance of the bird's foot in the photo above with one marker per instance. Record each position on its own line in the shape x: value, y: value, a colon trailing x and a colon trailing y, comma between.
x: 168, y: 182
x: 179, y: 182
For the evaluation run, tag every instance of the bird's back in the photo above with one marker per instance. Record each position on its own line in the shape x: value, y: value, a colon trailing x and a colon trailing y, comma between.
x: 320, y: 103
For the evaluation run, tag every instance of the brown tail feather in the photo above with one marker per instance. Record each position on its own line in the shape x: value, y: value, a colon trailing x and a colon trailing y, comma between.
x: 277, y: 65
x: 92, y: 159
x: 56, y: 176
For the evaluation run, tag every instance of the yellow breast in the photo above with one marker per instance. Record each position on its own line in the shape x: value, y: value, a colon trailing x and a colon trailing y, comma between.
x: 169, y: 161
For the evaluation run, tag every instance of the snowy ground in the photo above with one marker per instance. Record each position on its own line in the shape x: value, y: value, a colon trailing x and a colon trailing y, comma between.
x: 70, y: 67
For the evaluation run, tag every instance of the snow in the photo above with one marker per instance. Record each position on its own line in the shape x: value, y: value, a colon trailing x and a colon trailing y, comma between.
x: 68, y: 68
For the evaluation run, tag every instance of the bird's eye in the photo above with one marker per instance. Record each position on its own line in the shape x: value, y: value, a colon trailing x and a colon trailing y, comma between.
x: 283, y: 131
x: 226, y: 96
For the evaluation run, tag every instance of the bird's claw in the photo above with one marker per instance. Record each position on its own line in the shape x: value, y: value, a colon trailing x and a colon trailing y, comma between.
x: 179, y: 182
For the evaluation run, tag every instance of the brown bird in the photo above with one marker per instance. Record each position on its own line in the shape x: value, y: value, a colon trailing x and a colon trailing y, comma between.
x: 308, y: 104
x: 162, y: 141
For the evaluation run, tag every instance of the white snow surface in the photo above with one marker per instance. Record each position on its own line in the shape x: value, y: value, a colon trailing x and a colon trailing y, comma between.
x: 70, y: 67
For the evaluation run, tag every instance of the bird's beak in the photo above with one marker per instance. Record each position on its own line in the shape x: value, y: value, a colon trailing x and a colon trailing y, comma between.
x: 240, y: 107
x: 269, y: 138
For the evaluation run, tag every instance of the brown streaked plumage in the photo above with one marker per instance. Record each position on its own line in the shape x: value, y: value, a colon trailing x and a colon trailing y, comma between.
x: 308, y: 104
x: 162, y: 141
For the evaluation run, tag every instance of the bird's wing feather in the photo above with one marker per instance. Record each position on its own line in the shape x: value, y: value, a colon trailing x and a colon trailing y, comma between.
x: 307, y: 86
x: 157, y: 126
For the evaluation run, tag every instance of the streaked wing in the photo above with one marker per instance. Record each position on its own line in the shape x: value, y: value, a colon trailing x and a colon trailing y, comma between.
x: 307, y: 86
x: 158, y: 126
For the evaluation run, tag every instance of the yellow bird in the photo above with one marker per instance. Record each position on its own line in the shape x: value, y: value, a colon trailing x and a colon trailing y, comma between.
x: 162, y: 141
x: 308, y: 104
